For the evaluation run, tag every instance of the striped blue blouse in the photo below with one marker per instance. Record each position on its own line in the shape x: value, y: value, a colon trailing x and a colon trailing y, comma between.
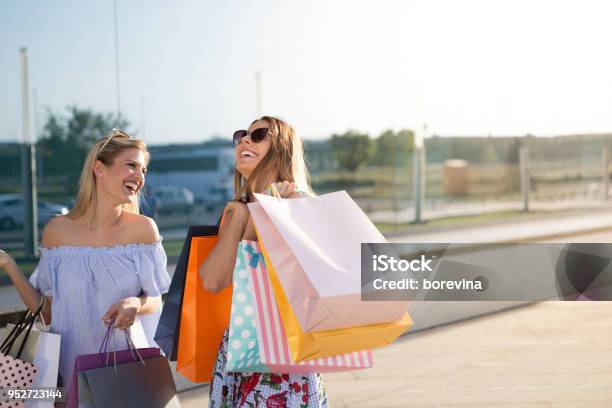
x: 86, y: 281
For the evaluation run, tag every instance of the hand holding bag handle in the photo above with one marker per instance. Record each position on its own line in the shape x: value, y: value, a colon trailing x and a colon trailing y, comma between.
x: 274, y: 191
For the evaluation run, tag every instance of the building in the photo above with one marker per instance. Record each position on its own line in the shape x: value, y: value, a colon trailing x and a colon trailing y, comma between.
x: 205, y: 169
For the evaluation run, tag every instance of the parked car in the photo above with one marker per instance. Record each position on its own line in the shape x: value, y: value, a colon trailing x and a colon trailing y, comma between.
x: 12, y: 211
x: 172, y: 199
x: 218, y: 196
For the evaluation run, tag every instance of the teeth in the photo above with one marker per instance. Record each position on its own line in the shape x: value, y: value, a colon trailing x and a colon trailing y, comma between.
x: 246, y: 153
x: 131, y: 186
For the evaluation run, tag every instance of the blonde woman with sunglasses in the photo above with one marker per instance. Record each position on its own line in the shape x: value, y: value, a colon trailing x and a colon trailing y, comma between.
x: 103, y: 262
x: 268, y: 153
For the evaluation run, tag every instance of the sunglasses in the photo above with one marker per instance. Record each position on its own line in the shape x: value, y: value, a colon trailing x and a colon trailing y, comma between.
x: 256, y: 136
x: 115, y: 133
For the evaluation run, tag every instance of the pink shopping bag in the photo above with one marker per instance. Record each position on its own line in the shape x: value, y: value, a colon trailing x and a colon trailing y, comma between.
x: 314, y: 244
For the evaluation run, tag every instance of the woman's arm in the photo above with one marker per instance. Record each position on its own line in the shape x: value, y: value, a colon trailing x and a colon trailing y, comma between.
x: 30, y: 296
x: 216, y: 271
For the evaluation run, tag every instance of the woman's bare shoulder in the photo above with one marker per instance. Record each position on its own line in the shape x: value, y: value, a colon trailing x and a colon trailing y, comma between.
x: 57, y: 230
x: 142, y: 228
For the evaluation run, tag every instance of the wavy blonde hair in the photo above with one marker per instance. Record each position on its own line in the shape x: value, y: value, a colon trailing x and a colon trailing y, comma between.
x: 106, y: 150
x: 285, y: 158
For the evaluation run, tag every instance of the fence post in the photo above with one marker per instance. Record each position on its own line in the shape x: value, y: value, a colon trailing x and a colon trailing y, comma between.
x: 419, y: 174
x: 605, y: 153
x: 525, y: 177
x: 28, y: 166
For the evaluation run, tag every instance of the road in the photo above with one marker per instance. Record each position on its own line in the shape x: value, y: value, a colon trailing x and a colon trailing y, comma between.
x: 548, y: 354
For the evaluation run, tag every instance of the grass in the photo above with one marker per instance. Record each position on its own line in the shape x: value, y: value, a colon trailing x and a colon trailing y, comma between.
x: 173, y: 248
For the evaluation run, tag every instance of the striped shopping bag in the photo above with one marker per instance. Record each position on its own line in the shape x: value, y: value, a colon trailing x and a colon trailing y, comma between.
x: 257, y: 340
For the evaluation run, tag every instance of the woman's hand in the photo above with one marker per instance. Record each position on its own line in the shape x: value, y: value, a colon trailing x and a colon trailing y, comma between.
x: 236, y: 208
x: 28, y: 293
x: 286, y: 189
x: 5, y: 260
x: 123, y: 313
x: 236, y: 214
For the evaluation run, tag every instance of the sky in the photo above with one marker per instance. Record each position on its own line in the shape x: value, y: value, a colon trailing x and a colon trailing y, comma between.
x: 187, y: 68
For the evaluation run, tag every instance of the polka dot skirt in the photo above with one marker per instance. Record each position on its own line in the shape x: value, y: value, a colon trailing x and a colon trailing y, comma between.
x: 14, y: 373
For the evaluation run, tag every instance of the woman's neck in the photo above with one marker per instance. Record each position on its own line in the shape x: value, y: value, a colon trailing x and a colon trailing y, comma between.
x: 102, y: 216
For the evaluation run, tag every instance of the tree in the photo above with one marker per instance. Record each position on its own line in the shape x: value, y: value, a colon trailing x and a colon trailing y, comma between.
x: 514, y: 152
x: 394, y: 149
x: 352, y: 149
x: 67, y: 139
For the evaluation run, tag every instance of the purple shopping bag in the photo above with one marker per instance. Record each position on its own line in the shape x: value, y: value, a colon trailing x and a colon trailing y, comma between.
x: 101, y: 359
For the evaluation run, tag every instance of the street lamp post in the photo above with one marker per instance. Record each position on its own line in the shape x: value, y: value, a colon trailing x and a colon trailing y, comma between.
x: 28, y: 165
x: 118, y: 90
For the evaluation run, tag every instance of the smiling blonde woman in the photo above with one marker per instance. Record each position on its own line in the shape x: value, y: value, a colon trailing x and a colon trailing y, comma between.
x: 102, y: 261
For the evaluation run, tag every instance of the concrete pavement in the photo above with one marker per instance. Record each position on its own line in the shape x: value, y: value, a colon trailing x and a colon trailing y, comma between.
x: 547, y: 354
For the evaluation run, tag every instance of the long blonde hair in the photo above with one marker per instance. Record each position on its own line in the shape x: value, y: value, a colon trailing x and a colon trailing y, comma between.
x: 285, y: 157
x: 105, y: 150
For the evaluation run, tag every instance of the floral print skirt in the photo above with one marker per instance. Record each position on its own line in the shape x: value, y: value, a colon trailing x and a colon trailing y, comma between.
x: 269, y: 390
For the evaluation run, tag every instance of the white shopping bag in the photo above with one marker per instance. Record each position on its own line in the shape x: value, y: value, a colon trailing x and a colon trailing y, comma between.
x: 42, y: 349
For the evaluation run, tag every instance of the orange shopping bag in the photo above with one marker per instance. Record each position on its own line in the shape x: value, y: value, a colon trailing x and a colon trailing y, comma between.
x: 204, y: 317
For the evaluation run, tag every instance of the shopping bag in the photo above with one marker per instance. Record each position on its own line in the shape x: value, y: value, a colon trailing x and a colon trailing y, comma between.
x: 309, y: 346
x: 243, y: 348
x: 144, y: 383
x: 204, y: 316
x: 14, y: 372
x: 140, y: 382
x: 43, y: 350
x: 30, y: 344
x: 22, y: 338
x: 314, y: 245
x: 79, y: 391
x: 167, y: 333
x: 257, y: 340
